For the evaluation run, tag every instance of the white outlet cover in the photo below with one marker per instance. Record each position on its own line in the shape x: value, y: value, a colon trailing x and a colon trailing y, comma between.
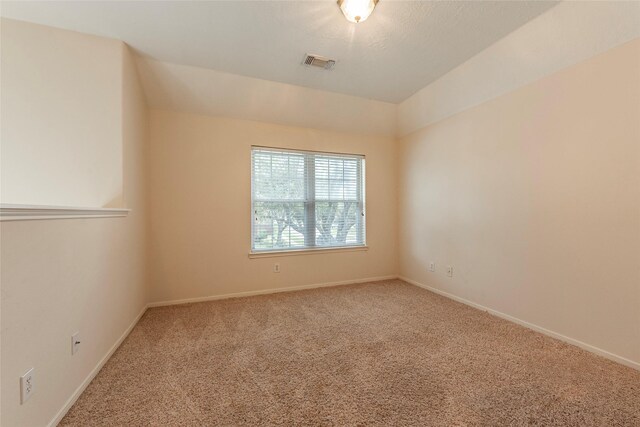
x: 26, y: 386
x: 75, y: 343
x: 449, y: 271
x: 432, y: 266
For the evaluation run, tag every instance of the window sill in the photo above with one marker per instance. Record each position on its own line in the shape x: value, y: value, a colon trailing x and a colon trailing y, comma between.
x: 270, y: 254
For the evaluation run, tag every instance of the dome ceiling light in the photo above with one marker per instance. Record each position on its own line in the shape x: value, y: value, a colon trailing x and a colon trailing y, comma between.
x: 357, y: 11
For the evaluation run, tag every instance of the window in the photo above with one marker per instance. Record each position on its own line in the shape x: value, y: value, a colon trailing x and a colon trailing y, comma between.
x: 306, y: 200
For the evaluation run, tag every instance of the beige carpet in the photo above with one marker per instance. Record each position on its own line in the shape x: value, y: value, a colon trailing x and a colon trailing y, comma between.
x: 384, y: 353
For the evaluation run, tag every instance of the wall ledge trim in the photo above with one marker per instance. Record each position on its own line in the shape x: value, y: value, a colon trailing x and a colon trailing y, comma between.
x: 588, y: 347
x: 15, y: 212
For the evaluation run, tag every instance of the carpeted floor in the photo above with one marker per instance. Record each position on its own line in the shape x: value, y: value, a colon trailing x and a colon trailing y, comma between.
x: 384, y: 353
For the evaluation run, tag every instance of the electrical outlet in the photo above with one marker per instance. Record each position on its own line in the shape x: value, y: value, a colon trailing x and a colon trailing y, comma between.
x: 449, y: 271
x: 432, y: 266
x: 276, y: 268
x: 75, y: 343
x: 26, y: 386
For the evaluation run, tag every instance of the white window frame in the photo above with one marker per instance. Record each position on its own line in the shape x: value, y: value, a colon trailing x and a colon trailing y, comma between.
x: 310, y: 207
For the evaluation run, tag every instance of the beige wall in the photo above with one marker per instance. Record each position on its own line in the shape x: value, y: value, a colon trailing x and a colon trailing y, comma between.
x: 61, y: 117
x: 201, y: 215
x: 63, y: 276
x: 534, y: 198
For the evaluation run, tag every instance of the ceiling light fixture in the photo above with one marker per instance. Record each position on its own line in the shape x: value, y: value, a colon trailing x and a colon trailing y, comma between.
x: 357, y: 10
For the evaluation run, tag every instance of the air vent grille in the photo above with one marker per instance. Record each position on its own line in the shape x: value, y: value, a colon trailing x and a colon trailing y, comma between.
x: 318, y: 61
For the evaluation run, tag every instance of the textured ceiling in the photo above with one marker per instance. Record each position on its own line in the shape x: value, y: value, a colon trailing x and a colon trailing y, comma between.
x: 400, y: 49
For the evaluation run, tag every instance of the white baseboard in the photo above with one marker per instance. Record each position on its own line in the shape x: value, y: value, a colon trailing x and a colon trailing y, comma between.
x: 76, y: 394
x: 585, y: 346
x: 269, y: 291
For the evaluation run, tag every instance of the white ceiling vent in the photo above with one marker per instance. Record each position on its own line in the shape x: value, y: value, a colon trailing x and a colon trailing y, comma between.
x: 318, y: 61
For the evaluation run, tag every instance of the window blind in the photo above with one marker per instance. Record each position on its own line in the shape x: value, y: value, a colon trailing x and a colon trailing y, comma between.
x: 305, y: 200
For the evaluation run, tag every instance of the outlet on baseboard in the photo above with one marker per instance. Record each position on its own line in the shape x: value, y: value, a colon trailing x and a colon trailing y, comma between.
x: 26, y: 386
x: 449, y: 271
x: 432, y: 266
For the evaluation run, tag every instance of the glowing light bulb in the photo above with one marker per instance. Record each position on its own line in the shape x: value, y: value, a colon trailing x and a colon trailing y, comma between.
x: 357, y: 11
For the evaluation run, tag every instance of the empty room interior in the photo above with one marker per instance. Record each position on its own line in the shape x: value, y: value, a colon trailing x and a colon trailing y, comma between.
x: 320, y: 213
